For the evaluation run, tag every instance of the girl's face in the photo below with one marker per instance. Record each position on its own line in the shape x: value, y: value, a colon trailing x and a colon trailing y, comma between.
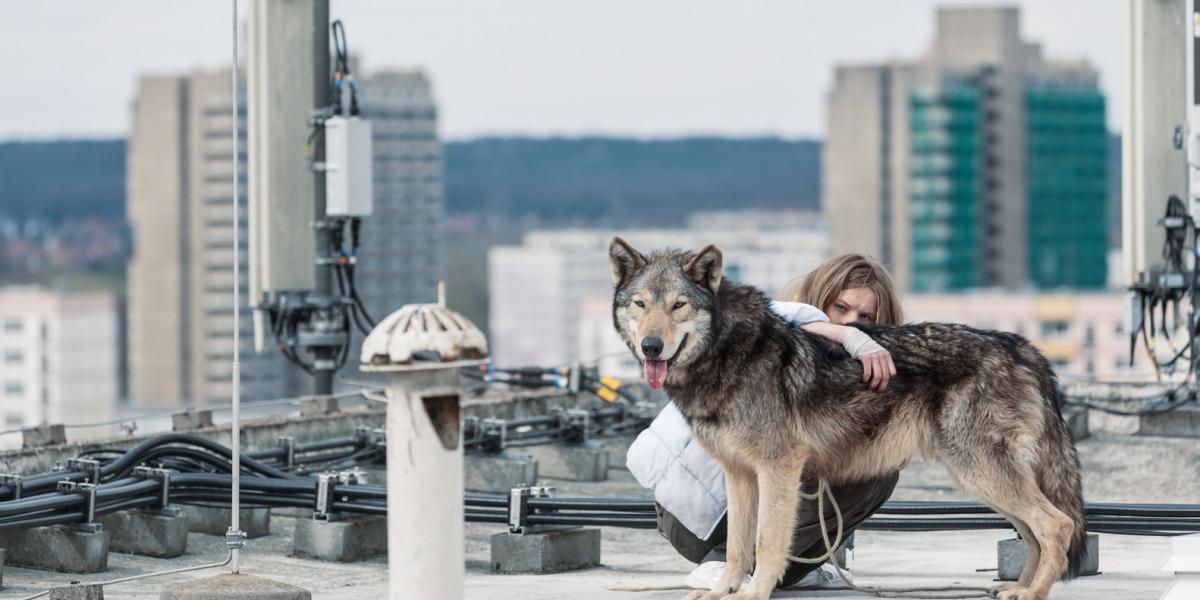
x: 853, y: 305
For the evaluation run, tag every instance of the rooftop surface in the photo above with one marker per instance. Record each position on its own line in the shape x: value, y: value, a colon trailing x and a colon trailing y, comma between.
x: 1117, y: 469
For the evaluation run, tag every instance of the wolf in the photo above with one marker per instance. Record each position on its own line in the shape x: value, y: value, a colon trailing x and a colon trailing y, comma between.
x: 770, y: 401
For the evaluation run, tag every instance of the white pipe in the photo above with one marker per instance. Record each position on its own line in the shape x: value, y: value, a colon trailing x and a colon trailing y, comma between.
x: 235, y: 500
x: 424, y: 484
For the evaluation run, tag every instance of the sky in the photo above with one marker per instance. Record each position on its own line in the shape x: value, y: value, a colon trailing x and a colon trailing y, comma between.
x: 665, y: 68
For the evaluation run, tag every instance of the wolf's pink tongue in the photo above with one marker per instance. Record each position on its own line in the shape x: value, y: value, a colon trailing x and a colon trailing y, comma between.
x: 656, y: 373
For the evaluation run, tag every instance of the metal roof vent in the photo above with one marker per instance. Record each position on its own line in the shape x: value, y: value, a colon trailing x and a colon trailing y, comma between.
x: 423, y: 334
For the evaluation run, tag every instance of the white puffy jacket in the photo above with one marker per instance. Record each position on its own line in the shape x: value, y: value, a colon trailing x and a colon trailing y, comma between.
x: 686, y: 481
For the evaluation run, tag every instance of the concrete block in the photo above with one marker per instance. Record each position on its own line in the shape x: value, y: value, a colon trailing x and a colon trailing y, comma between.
x: 233, y: 587
x: 256, y: 522
x: 191, y: 420
x: 344, y: 540
x: 1181, y: 422
x: 586, y: 462
x: 547, y: 552
x: 1077, y: 422
x: 80, y: 591
x: 498, y: 473
x: 318, y: 406
x: 43, y: 435
x: 157, y: 533
x: 56, y: 549
x: 1010, y: 557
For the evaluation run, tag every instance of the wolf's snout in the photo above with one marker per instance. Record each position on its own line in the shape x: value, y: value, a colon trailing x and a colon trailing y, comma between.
x: 652, y: 347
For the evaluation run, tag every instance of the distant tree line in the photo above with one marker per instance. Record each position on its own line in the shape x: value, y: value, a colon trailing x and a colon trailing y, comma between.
x: 615, y: 180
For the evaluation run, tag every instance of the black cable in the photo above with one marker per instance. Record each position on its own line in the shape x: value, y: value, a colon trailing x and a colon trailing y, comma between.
x: 354, y: 295
x: 1173, y: 402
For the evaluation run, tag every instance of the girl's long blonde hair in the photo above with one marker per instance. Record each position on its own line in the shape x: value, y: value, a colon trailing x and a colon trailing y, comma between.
x: 824, y: 284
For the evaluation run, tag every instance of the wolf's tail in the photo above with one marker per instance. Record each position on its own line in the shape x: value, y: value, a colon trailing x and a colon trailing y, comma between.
x: 1059, y: 479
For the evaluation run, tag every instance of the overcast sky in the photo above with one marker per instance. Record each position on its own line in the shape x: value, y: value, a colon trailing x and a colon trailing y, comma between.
x: 528, y: 67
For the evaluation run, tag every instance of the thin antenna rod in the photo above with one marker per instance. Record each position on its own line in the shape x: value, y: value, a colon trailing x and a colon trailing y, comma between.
x: 235, y: 500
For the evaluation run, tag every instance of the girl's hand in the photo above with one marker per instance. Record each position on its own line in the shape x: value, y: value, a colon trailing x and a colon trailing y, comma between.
x: 878, y: 367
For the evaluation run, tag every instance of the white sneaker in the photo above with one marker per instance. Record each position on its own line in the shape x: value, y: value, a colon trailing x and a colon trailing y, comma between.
x: 705, y: 576
x: 823, y: 577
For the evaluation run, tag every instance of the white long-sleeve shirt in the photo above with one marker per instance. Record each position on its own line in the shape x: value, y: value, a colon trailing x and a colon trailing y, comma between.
x: 686, y: 480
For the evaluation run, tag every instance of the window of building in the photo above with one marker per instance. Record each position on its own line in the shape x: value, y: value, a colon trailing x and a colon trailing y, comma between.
x: 1089, y: 336
x: 14, y: 389
x: 12, y: 326
x: 13, y: 357
x: 13, y: 421
x: 1060, y: 365
x: 1090, y: 367
x: 1055, y: 328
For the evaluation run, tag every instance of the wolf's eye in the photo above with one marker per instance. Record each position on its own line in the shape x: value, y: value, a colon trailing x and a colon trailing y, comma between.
x: 679, y: 305
x: 639, y: 303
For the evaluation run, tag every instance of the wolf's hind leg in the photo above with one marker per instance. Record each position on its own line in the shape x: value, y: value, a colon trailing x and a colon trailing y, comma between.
x: 742, y: 491
x: 1014, y: 492
x: 1033, y: 552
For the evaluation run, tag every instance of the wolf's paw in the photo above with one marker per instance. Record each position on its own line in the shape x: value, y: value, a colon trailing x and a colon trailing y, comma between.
x: 704, y: 595
x: 1018, y: 593
x: 1003, y: 587
x: 741, y: 596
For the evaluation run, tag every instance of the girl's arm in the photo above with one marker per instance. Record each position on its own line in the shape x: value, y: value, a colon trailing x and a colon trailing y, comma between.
x: 878, y: 367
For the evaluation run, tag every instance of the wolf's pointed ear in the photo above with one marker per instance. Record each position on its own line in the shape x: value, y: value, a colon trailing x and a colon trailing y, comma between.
x: 705, y: 267
x: 625, y: 261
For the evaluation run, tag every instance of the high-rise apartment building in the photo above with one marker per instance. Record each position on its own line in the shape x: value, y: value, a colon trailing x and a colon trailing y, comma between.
x: 401, y: 257
x: 982, y: 164
x: 58, y: 359
x: 180, y: 207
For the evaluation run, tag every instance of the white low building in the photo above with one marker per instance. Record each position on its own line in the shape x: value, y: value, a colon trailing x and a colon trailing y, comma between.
x: 58, y: 360
x: 1082, y: 334
x: 536, y: 290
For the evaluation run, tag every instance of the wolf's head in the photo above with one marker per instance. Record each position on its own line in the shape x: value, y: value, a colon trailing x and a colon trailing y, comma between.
x: 664, y: 305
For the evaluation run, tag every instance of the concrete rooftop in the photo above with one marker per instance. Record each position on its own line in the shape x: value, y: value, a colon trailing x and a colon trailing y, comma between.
x: 1118, y: 468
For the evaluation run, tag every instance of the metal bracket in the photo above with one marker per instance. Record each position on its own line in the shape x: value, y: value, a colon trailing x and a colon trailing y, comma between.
x: 327, y: 484
x: 518, y: 506
x: 88, y: 492
x: 235, y: 539
x: 574, y: 377
x: 288, y: 443
x: 494, y: 434
x: 574, y: 425
x: 370, y: 436
x: 90, y: 468
x: 14, y: 481
x: 164, y: 476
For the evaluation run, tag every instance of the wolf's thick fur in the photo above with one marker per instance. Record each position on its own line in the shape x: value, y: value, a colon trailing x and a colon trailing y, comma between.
x: 769, y: 400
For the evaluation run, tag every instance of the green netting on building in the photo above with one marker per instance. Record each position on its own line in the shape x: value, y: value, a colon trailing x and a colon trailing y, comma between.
x: 943, y: 188
x: 1067, y: 187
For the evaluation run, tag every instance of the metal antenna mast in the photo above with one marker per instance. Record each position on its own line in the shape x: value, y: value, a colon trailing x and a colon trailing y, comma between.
x: 234, y: 538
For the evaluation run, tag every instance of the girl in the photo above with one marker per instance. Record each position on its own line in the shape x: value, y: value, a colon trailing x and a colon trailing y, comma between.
x: 689, y: 487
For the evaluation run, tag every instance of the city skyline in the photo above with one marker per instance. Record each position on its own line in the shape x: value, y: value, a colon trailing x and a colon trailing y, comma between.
x: 666, y: 70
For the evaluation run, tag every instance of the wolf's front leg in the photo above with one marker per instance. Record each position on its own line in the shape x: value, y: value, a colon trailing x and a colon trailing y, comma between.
x: 742, y: 491
x: 778, y: 501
